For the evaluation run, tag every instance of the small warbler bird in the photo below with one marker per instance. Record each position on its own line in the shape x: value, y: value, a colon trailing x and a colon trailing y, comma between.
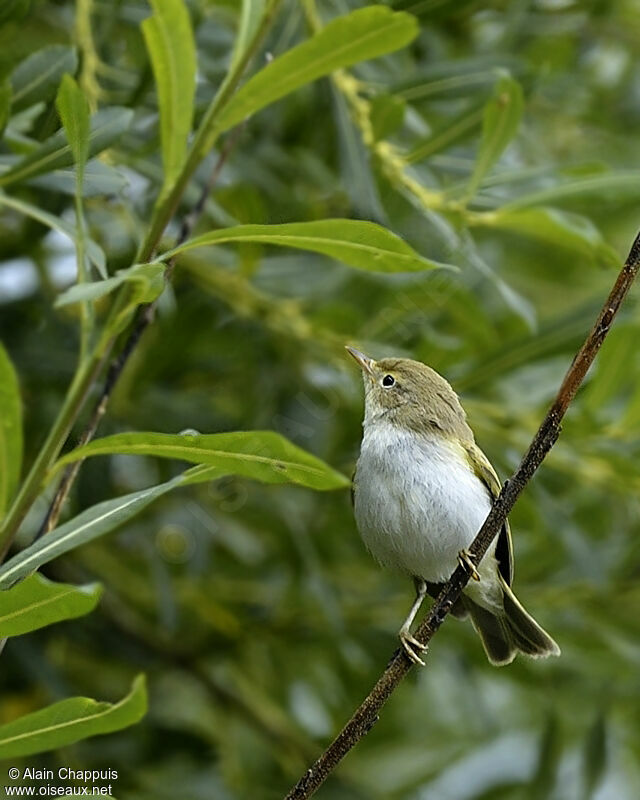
x: 421, y: 491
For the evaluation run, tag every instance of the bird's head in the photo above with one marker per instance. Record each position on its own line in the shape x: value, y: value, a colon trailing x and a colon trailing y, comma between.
x: 409, y: 394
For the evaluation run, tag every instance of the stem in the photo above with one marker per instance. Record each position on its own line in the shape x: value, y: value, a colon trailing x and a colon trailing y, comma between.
x: 366, y: 715
x: 31, y: 486
x: 86, y: 309
x: 203, y: 141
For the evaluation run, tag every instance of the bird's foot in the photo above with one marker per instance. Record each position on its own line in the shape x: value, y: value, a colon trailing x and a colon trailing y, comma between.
x: 465, y: 559
x: 410, y: 645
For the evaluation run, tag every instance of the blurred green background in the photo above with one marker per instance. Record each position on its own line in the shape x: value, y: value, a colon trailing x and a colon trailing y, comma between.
x: 255, y: 611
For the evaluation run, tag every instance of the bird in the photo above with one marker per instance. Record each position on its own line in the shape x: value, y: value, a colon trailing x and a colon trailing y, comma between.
x: 421, y: 491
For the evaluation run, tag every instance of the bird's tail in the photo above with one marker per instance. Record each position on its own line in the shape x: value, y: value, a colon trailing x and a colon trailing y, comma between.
x: 508, y: 630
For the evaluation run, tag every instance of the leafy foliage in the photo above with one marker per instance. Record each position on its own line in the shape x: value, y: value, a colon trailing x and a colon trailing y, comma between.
x: 70, y: 720
x: 360, y: 244
x: 37, y: 602
x: 363, y: 148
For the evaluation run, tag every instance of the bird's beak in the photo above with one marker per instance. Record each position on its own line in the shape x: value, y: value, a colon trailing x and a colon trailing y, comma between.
x: 365, y: 362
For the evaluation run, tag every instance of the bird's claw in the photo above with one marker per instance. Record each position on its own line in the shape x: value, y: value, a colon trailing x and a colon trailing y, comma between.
x: 465, y: 559
x: 410, y: 644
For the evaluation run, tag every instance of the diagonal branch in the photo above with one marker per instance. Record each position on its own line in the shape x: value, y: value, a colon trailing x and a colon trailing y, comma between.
x: 366, y: 715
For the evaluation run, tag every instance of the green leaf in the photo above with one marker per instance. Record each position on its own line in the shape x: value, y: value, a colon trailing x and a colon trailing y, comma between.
x: 5, y: 103
x: 36, y: 602
x: 500, y: 122
x: 94, y: 251
x: 10, y: 431
x: 360, y: 244
x: 107, y: 125
x: 147, y: 278
x: 71, y: 721
x: 73, y: 108
x: 263, y: 455
x: 358, y: 36
x: 250, y: 16
x: 36, y: 78
x: 172, y: 51
x: 555, y: 227
x: 99, y: 180
x: 90, y: 524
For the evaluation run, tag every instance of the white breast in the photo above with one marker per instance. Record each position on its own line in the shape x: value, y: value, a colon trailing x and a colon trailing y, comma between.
x: 417, y: 502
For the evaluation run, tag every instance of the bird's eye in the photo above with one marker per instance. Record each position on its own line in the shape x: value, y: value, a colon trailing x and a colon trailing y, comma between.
x: 388, y: 381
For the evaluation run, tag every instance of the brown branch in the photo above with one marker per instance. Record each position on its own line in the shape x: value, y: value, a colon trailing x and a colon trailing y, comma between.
x: 144, y: 318
x: 367, y: 714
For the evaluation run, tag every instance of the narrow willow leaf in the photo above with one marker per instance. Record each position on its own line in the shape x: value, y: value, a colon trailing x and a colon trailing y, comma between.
x: 71, y: 721
x: 249, y: 20
x: 263, y: 455
x: 36, y: 602
x: 387, y: 115
x: 10, y: 431
x: 172, y: 51
x: 94, y: 251
x: 595, y: 755
x: 36, y: 78
x: 73, y: 108
x: 88, y: 525
x: 148, y: 279
x: 107, y: 125
x: 500, y: 122
x: 360, y: 244
x: 556, y: 227
x: 358, y: 36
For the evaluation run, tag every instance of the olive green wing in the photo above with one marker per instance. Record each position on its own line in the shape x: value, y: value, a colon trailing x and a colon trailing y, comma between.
x: 483, y: 469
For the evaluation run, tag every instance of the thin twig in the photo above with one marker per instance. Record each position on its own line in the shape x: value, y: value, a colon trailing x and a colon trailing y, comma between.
x: 144, y: 318
x: 367, y: 714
